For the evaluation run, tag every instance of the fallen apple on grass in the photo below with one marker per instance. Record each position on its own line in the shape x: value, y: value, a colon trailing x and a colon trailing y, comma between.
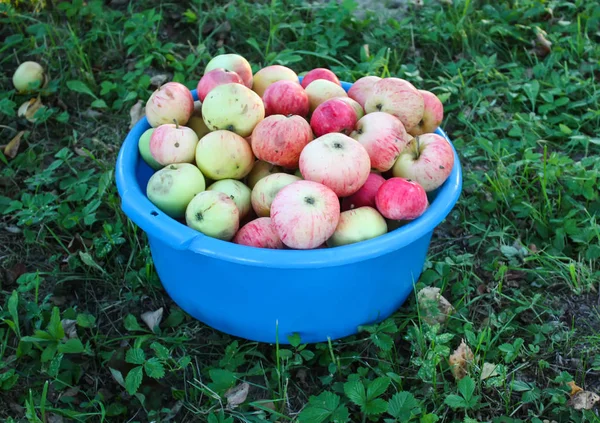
x: 401, y: 199
x: 172, y: 188
x: 234, y: 63
x: 259, y: 233
x: 320, y: 73
x: 333, y: 115
x: 214, y: 78
x: 305, y: 214
x: 171, y: 143
x: 266, y: 189
x: 29, y: 77
x: 271, y: 74
x: 237, y: 191
x: 280, y: 139
x: 171, y: 102
x: 336, y: 161
x: 286, y: 98
x: 358, y: 225
x: 236, y: 164
x: 214, y: 214
x: 383, y: 136
x: 428, y: 160
x: 232, y: 107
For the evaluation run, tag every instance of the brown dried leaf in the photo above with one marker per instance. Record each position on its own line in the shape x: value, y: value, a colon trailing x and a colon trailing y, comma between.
x: 584, y: 400
x: 70, y: 328
x: 136, y: 113
x: 460, y: 360
x: 574, y: 388
x: 435, y: 308
x: 541, y: 46
x: 29, y: 108
x: 12, y: 148
x: 237, y: 395
x: 152, y: 319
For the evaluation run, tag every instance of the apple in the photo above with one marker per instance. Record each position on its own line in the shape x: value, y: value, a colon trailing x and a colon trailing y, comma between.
x: 232, y: 107
x: 173, y: 187
x: 305, y: 214
x: 259, y: 233
x: 319, y: 73
x: 270, y: 74
x: 285, y: 98
x: 171, y: 102
x: 365, y: 196
x: 428, y: 160
x: 28, y: 77
x: 214, y: 214
x: 333, y: 115
x: 361, y: 89
x: 260, y: 170
x: 383, y: 136
x: 399, y: 98
x: 144, y: 148
x: 401, y: 199
x: 196, y: 123
x: 214, y: 78
x: 171, y: 143
x: 358, y: 225
x: 433, y: 114
x: 279, y: 139
x: 237, y: 191
x: 236, y: 164
x: 234, y: 63
x: 360, y: 112
x: 266, y: 189
x: 321, y: 90
x: 336, y: 161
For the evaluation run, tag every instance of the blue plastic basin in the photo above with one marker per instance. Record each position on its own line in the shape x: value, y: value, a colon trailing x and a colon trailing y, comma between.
x: 266, y: 295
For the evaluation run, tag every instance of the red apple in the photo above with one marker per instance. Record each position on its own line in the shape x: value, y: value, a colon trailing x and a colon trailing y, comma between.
x: 234, y: 63
x: 333, y: 115
x: 401, y: 199
x: 365, y: 196
x: 170, y: 144
x: 170, y: 103
x: 320, y: 73
x: 215, y: 77
x: 271, y: 74
x: 433, y: 114
x: 286, y: 98
x: 399, y: 98
x: 336, y: 161
x: 259, y: 233
x: 428, y: 160
x: 384, y: 138
x: 360, y: 112
x: 305, y: 214
x: 279, y: 139
x: 361, y: 89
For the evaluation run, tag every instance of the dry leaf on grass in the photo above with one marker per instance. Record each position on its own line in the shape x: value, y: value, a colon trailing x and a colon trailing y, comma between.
x: 12, y: 148
x: 29, y: 108
x: 489, y: 370
x: 584, y: 400
x: 434, y: 307
x: 158, y: 80
x: 574, y: 388
x: 70, y: 328
x: 237, y: 395
x: 152, y: 318
x: 136, y: 112
x: 460, y: 360
x: 541, y: 46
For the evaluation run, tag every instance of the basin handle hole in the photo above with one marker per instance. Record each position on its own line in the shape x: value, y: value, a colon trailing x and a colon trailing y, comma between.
x: 154, y: 213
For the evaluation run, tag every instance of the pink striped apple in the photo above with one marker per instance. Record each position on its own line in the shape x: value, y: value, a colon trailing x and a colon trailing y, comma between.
x: 170, y: 143
x: 305, y: 214
x: 362, y: 88
x: 214, y: 78
x: 401, y: 199
x: 286, y: 98
x: 433, y: 114
x: 234, y: 63
x: 336, y: 161
x: 259, y: 233
x: 168, y: 103
x: 365, y: 196
x: 399, y: 98
x: 270, y: 74
x: 320, y: 73
x: 321, y: 90
x: 360, y: 112
x: 333, y: 115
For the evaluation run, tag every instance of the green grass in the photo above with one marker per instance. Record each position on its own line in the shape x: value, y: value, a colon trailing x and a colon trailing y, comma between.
x: 517, y: 258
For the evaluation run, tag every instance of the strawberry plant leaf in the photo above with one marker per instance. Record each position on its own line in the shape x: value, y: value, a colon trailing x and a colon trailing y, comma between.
x: 135, y: 356
x: 403, y: 406
x: 355, y: 391
x: 134, y: 380
x: 154, y: 368
x: 377, y: 387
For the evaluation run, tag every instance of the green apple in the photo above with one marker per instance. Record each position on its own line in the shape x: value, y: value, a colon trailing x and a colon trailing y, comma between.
x: 144, y: 147
x: 266, y: 189
x: 270, y: 74
x: 358, y: 225
x: 233, y: 107
x: 29, y: 77
x: 260, y: 170
x: 196, y: 123
x: 214, y: 214
x: 172, y: 188
x: 237, y: 191
x: 212, y: 161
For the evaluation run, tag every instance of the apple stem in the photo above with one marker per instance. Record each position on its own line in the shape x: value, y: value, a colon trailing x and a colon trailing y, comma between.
x: 176, y: 124
x: 418, y: 147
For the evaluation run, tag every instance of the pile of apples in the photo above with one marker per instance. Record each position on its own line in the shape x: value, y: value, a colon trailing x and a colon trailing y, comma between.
x: 267, y: 161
